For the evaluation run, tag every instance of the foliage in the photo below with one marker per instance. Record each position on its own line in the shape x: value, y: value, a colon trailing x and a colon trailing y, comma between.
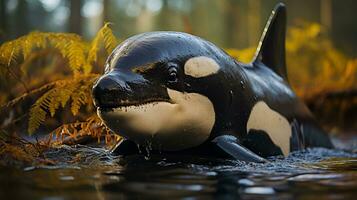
x: 104, y: 36
x: 71, y: 46
x: 77, y: 90
x: 314, y: 65
x: 16, y: 149
x: 71, y: 91
x: 93, y: 126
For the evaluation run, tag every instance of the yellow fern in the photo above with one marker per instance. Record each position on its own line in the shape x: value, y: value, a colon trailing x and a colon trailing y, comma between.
x: 110, y: 41
x: 9, y: 52
x: 50, y: 101
x: 104, y: 36
x: 74, y: 91
x: 314, y: 64
x: 70, y: 45
x: 81, y: 96
x: 30, y: 42
x: 37, y: 114
x: 244, y: 55
x: 92, y: 126
x: 77, y: 89
x: 80, y: 55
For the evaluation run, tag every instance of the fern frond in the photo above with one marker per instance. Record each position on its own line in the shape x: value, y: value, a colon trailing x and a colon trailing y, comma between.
x: 50, y: 102
x: 110, y: 41
x: 71, y: 46
x: 79, y: 98
x: 33, y: 92
x: 9, y: 52
x: 82, y: 96
x: 26, y: 46
x: 66, y: 95
x: 79, y: 54
x: 37, y: 114
x: 78, y: 90
x: 104, y: 36
x: 80, y: 57
x: 95, y: 45
x: 92, y: 126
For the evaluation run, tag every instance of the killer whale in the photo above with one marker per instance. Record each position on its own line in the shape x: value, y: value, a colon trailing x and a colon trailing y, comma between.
x: 178, y: 93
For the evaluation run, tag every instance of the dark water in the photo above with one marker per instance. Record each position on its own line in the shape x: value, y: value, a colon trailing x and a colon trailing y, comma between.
x: 92, y: 173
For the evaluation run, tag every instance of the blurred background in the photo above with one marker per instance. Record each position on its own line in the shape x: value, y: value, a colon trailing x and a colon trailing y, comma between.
x: 227, y: 23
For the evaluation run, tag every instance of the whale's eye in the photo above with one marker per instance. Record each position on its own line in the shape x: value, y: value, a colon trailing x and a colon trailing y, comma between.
x: 172, y: 76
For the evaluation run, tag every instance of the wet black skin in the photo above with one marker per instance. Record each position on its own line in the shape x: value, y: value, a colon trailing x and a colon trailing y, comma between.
x: 142, y: 68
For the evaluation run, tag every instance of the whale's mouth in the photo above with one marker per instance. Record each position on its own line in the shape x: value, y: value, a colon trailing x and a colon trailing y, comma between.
x: 125, y: 104
x: 166, y: 123
x: 139, y: 122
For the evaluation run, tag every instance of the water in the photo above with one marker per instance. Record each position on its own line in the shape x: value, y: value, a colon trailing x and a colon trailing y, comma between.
x: 91, y: 173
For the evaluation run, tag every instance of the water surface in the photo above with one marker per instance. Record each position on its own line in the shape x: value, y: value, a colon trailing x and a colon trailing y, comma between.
x: 83, y: 172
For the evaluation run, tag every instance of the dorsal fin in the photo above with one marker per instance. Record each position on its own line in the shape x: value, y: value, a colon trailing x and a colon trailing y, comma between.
x: 271, y: 48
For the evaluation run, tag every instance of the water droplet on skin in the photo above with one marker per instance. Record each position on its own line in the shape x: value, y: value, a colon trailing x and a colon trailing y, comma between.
x: 147, y: 154
x: 259, y: 190
x: 160, y: 148
x: 138, y: 145
x: 246, y: 182
x: 230, y: 97
x: 242, y: 84
x: 148, y: 149
x: 66, y: 178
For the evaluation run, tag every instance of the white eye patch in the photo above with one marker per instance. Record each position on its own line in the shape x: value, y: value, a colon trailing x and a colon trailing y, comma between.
x: 201, y: 66
x: 275, y: 125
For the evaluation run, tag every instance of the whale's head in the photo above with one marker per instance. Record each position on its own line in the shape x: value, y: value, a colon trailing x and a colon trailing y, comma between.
x: 157, y: 88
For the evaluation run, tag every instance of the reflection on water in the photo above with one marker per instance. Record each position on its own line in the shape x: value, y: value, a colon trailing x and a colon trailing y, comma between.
x: 314, y: 173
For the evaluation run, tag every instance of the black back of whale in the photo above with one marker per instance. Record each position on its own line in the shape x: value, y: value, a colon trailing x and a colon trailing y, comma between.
x: 233, y: 91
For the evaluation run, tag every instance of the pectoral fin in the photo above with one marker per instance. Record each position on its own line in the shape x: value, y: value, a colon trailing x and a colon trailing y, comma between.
x: 231, y: 146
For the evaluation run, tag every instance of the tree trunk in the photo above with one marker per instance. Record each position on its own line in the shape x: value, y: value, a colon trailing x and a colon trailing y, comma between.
x: 3, y: 21
x: 75, y: 21
x: 21, y: 19
x: 254, y: 10
x: 326, y: 13
x: 106, y: 17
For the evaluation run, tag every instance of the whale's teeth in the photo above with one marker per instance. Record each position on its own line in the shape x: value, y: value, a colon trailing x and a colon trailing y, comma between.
x: 124, y: 101
x: 143, y: 107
